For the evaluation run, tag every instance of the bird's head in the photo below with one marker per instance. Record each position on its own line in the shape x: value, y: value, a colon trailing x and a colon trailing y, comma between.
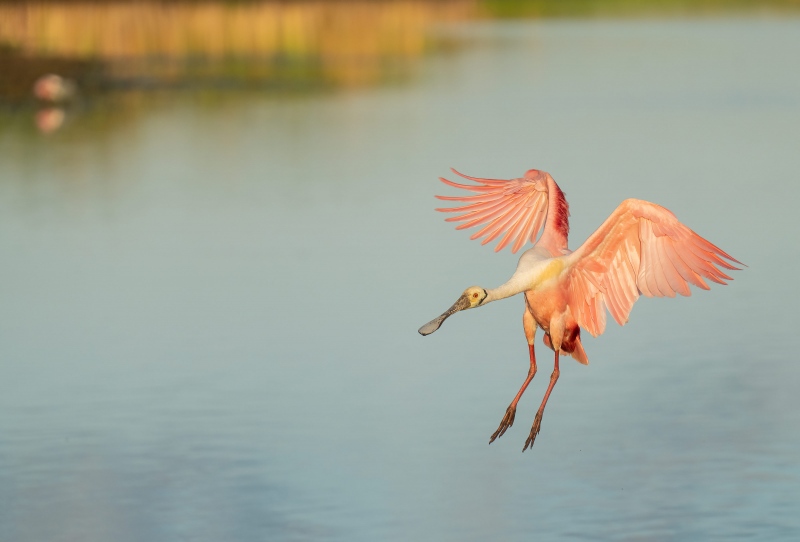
x: 471, y: 298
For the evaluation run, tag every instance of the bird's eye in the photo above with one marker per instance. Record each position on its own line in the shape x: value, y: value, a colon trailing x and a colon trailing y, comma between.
x: 475, y: 295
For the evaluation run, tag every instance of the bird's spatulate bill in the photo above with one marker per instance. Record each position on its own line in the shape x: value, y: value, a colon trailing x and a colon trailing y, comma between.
x: 433, y: 325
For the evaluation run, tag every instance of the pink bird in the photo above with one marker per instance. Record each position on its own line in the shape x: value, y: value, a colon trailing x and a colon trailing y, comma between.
x: 641, y: 249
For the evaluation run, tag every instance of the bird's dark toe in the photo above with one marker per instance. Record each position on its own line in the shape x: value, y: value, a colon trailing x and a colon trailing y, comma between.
x: 505, y: 423
x: 537, y: 425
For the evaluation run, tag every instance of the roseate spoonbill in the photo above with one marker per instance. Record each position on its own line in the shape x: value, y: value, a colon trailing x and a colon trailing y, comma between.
x: 54, y: 88
x: 641, y: 249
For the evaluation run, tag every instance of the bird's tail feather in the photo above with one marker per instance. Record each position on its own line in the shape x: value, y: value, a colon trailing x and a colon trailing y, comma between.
x: 578, y: 353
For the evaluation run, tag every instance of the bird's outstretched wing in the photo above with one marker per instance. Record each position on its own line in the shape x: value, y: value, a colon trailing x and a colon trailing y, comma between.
x: 640, y: 249
x: 518, y: 209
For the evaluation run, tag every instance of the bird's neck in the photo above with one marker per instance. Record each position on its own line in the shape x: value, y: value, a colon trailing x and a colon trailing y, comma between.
x: 515, y: 285
x: 532, y: 271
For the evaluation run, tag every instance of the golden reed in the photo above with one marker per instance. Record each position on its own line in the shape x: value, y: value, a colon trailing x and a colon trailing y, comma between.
x: 216, y: 30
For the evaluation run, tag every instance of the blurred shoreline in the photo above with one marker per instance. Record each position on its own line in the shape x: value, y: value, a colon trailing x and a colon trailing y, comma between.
x: 113, y: 45
x: 294, y: 45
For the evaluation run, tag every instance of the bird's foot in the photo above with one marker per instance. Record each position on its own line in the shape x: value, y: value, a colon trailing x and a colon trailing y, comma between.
x: 537, y: 425
x: 507, y: 421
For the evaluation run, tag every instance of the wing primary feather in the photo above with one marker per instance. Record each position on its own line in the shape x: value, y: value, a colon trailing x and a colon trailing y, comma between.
x: 693, y: 262
x: 483, y: 231
x: 538, y: 224
x: 486, y: 200
x: 711, y: 247
x: 469, y: 187
x: 513, y: 231
x: 478, y: 197
x: 524, y: 234
x: 509, y: 217
x: 686, y: 269
x: 495, y: 211
x: 494, y: 228
x: 711, y: 272
x: 716, y: 259
x: 713, y: 252
x: 478, y: 215
x: 479, y: 179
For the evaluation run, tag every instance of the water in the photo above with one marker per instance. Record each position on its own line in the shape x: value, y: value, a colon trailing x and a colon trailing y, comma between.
x: 209, y: 307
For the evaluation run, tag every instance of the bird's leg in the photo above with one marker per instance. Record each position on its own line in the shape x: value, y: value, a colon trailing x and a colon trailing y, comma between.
x: 508, y: 419
x: 537, y: 422
x: 529, y: 325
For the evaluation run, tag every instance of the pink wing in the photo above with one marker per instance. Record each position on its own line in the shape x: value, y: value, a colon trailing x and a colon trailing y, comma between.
x: 640, y: 249
x: 516, y: 209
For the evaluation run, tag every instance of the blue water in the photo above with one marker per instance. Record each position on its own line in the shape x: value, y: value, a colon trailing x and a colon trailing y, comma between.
x: 208, y: 314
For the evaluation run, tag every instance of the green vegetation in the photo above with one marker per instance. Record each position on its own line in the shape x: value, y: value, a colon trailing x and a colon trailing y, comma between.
x: 630, y: 8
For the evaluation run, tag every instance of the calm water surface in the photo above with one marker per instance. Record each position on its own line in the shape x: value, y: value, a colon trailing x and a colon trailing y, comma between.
x: 208, y: 308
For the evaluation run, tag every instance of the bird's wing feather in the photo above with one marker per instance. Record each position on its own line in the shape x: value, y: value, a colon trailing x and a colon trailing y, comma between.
x: 640, y: 249
x: 517, y: 209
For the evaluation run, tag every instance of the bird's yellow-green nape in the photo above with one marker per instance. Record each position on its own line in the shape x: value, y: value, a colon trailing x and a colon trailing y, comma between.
x: 471, y: 298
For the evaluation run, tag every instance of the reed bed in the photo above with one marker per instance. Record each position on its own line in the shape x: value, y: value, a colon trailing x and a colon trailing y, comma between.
x: 215, y: 30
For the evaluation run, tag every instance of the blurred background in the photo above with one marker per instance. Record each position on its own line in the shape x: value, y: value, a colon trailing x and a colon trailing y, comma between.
x: 217, y: 242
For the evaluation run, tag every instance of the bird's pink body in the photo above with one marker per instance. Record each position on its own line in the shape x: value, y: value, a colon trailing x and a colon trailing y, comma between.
x: 551, y: 313
x: 641, y: 249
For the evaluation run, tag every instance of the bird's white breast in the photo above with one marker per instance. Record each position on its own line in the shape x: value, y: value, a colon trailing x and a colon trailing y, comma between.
x: 536, y: 266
